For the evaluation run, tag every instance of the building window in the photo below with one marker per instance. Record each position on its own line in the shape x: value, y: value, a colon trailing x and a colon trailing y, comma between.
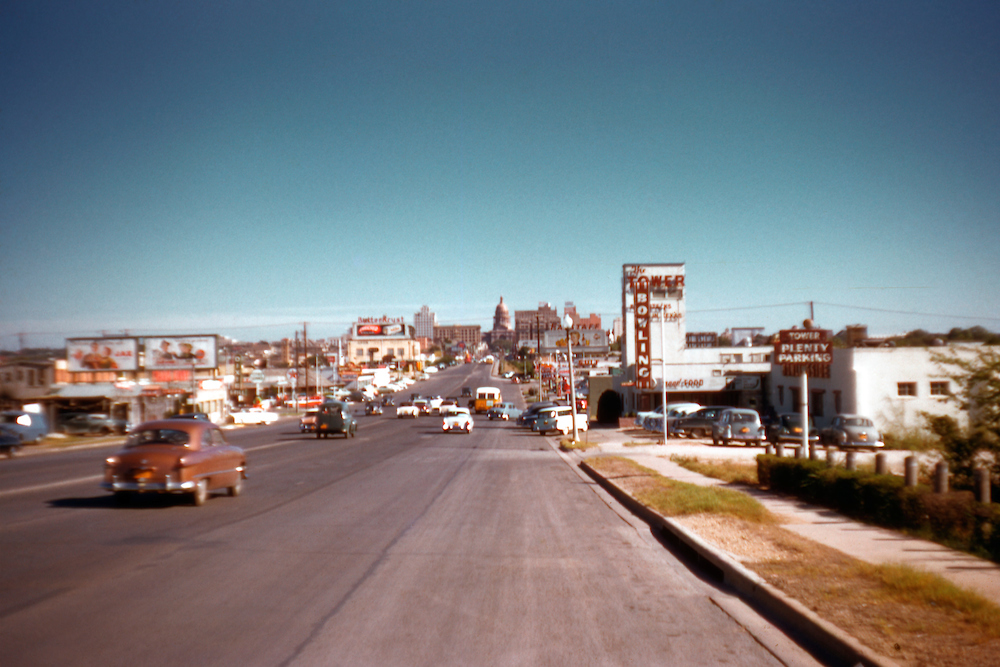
x: 796, y: 392
x: 781, y: 395
x: 816, y: 404
x: 836, y: 401
x: 940, y: 389
x: 906, y: 388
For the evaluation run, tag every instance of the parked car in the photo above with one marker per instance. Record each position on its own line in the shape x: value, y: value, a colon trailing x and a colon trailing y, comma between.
x: 654, y: 422
x: 699, y: 423
x: 851, y: 431
x: 457, y: 419
x: 30, y: 427
x: 503, y: 412
x: 10, y: 442
x: 787, y: 427
x: 335, y: 417
x: 189, y: 456
x: 529, y: 414
x: 307, y: 422
x: 559, y: 418
x: 407, y: 409
x: 93, y: 423
x: 739, y: 424
x: 254, y: 416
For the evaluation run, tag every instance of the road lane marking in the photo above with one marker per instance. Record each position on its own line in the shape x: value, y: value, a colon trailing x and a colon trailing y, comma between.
x: 52, y: 485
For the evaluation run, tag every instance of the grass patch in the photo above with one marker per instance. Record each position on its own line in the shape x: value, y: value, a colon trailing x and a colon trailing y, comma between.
x: 733, y: 472
x: 672, y: 498
x: 568, y: 445
x: 908, y: 585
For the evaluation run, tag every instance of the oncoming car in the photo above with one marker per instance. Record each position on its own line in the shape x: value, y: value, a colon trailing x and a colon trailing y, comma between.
x: 457, y: 419
x: 184, y: 456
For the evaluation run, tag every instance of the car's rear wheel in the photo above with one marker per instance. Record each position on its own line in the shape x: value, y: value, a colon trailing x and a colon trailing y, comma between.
x: 200, y: 493
x: 697, y: 433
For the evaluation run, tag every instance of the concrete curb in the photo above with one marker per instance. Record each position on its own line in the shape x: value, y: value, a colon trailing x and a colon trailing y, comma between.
x: 751, y: 587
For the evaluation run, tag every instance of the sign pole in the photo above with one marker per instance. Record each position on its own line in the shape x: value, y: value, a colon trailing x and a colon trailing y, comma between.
x: 804, y: 407
x: 663, y: 371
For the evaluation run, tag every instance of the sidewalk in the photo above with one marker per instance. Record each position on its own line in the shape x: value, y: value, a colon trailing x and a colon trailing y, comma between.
x: 861, y: 541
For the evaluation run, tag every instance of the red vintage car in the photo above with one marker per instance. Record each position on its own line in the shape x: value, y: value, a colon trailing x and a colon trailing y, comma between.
x: 188, y: 456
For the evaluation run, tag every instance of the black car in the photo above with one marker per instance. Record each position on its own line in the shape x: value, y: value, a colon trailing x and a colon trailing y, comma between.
x: 699, y: 423
x: 530, y: 414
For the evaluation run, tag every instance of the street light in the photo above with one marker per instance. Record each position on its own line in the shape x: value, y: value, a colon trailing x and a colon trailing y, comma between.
x: 568, y: 324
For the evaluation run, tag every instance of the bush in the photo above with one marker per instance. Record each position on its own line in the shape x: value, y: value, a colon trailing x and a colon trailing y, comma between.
x: 954, y: 519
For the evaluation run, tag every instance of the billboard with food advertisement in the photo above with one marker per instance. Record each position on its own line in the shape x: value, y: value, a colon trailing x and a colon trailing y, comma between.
x: 181, y: 352
x: 584, y: 340
x: 384, y: 328
x: 102, y: 354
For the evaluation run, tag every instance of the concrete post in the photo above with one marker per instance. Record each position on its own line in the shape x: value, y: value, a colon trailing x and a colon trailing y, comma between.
x: 910, y: 470
x: 779, y: 449
x: 800, y: 452
x: 982, y: 483
x: 881, y: 464
x: 941, y: 477
x: 852, y: 461
x: 831, y: 457
x: 813, y: 451
x: 769, y: 450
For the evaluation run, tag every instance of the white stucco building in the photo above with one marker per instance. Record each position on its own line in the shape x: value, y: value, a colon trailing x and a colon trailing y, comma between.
x: 893, y: 386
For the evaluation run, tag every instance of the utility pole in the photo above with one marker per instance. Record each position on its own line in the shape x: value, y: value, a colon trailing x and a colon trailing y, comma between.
x: 305, y: 355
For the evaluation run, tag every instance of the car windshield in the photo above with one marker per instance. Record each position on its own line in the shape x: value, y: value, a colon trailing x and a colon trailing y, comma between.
x: 158, y: 436
x: 859, y: 421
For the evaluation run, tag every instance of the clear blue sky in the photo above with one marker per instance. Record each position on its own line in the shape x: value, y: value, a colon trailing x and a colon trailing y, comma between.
x: 242, y: 167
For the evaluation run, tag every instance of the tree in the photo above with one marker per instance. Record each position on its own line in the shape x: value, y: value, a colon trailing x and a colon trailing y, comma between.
x: 977, y: 379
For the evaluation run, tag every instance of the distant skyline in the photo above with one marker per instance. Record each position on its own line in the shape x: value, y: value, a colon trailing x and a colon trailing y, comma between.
x: 240, y: 168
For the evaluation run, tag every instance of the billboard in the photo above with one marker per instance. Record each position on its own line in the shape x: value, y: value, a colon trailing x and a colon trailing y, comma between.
x: 102, y: 354
x: 365, y: 329
x: 181, y: 352
x: 584, y: 340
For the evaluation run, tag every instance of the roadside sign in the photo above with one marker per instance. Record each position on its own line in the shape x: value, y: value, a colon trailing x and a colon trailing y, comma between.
x: 257, y: 376
x: 806, y: 351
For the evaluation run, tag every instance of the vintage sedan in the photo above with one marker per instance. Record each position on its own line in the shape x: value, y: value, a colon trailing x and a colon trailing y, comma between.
x: 739, y: 425
x: 457, y: 419
x: 851, y: 431
x: 186, y: 456
x: 787, y: 427
x: 407, y: 409
x: 254, y: 416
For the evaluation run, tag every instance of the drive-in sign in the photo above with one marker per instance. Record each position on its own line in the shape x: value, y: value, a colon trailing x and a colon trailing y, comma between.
x: 806, y: 351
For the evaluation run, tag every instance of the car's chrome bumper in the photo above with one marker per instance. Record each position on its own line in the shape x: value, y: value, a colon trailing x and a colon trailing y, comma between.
x: 167, y: 486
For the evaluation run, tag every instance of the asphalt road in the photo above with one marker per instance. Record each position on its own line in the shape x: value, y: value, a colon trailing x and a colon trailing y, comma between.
x: 401, y: 546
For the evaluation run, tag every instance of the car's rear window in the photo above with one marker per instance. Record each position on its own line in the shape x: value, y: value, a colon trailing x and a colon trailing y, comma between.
x: 859, y: 421
x: 158, y: 436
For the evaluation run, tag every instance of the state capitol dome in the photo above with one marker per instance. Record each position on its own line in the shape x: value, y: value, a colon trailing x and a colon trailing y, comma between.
x: 501, y: 319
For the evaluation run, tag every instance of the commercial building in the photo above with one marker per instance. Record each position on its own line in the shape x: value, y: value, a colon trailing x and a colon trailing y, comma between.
x: 656, y: 355
x: 467, y: 335
x: 375, y: 340
x: 893, y: 386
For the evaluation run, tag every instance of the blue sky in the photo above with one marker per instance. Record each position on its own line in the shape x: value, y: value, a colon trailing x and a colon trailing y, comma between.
x: 242, y: 167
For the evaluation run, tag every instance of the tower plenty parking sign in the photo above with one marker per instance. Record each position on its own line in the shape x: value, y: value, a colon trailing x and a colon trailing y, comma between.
x: 806, y: 351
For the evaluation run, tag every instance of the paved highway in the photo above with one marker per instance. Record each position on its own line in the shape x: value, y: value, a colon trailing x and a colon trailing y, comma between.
x: 401, y: 546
